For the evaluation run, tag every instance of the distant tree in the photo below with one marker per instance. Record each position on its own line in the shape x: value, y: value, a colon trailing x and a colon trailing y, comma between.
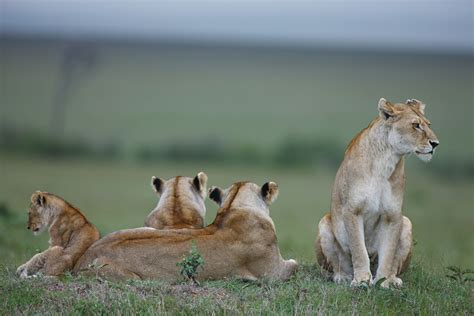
x: 77, y: 60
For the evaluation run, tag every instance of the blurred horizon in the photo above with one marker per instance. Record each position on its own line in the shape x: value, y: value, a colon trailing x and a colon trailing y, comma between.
x: 443, y: 26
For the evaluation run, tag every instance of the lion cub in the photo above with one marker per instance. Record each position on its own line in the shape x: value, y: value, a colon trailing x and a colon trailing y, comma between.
x: 70, y: 235
x: 181, y: 203
x: 366, y: 224
x: 241, y: 242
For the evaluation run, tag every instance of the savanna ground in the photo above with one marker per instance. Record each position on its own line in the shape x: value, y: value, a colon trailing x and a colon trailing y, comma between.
x: 259, y: 109
x: 106, y: 194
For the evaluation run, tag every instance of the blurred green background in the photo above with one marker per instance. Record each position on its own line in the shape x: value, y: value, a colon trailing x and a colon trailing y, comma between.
x: 92, y: 121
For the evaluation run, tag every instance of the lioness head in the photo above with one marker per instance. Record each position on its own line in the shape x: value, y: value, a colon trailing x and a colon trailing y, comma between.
x: 198, y: 184
x: 41, y: 210
x: 245, y: 195
x: 184, y: 189
x: 409, y: 129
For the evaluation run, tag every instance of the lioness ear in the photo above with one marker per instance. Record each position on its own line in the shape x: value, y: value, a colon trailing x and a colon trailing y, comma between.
x: 200, y: 182
x: 386, y: 109
x: 269, y: 192
x: 420, y: 106
x: 38, y: 199
x: 215, y: 194
x: 157, y: 184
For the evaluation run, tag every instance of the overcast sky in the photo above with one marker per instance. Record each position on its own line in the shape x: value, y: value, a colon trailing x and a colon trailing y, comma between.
x: 435, y: 25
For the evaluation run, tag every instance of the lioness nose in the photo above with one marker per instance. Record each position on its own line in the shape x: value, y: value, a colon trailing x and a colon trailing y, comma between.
x: 434, y: 143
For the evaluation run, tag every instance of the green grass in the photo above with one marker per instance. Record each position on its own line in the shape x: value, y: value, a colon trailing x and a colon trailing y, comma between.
x: 308, y: 292
x: 116, y: 195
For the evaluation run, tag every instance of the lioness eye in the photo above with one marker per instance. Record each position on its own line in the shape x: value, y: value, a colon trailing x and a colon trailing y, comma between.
x: 416, y: 125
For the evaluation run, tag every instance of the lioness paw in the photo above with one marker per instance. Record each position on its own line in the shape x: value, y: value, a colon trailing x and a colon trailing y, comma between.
x: 392, y: 282
x: 22, y: 271
x: 363, y: 283
x: 362, y: 280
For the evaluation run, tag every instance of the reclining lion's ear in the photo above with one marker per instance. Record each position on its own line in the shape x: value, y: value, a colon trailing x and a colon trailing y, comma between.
x: 157, y: 184
x: 200, y: 182
x: 38, y: 199
x: 269, y: 192
x: 386, y: 109
x: 215, y: 194
x: 420, y: 106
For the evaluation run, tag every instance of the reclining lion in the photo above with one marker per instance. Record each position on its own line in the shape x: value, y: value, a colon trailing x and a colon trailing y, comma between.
x: 366, y: 222
x: 70, y: 235
x: 241, y: 242
x: 181, y: 203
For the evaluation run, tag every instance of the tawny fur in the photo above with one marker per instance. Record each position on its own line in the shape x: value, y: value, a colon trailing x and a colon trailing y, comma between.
x: 241, y: 242
x: 181, y: 203
x: 365, y: 226
x: 69, y: 230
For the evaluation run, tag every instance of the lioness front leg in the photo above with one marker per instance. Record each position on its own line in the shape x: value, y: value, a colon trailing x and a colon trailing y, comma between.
x: 354, y: 226
x: 36, y: 263
x: 389, y: 237
x: 32, y: 266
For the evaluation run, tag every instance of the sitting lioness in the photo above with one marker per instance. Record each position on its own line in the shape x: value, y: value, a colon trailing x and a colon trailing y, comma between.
x: 241, y: 242
x: 69, y: 230
x: 181, y: 203
x: 366, y: 223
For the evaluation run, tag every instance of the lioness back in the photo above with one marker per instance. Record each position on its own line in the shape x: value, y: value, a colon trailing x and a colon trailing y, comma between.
x: 241, y: 242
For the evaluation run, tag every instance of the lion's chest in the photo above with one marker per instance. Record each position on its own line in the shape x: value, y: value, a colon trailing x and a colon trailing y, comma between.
x: 379, y: 199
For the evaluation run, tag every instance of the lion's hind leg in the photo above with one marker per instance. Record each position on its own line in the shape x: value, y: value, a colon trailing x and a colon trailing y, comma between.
x: 403, y: 254
x: 108, y: 269
x: 57, y: 261
x: 329, y: 253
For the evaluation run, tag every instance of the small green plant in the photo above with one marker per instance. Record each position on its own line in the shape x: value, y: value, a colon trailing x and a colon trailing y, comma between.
x: 460, y: 275
x: 190, y: 264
